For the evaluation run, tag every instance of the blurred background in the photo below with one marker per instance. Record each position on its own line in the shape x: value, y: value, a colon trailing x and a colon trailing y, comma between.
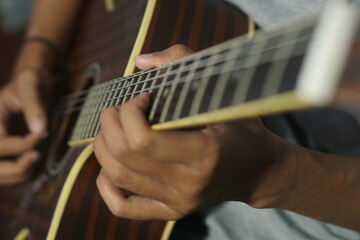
x: 14, y: 15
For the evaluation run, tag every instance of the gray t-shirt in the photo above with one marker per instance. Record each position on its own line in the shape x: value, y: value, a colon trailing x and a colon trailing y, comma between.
x: 269, y: 13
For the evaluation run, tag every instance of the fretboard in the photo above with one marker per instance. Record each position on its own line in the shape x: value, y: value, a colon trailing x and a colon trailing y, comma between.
x: 235, y: 73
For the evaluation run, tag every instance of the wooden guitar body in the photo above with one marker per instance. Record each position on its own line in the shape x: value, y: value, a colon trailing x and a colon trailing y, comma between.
x: 102, y: 46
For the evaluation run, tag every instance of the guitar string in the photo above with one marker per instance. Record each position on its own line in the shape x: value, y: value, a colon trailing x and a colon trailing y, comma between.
x: 219, y: 64
x: 174, y: 72
x: 206, y: 53
x: 217, y: 70
x: 124, y: 79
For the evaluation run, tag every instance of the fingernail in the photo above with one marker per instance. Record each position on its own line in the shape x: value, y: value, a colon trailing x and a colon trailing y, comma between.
x: 37, y: 125
x: 35, y: 156
x: 144, y: 56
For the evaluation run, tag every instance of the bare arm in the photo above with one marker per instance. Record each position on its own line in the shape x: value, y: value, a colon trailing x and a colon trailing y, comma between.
x: 54, y: 20
x: 324, y: 186
x: 31, y: 80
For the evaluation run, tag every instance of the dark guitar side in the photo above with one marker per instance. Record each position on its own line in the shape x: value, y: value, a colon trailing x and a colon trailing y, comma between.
x: 107, y: 39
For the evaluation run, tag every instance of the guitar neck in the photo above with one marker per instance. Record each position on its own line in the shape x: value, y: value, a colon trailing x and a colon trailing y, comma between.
x: 281, y: 71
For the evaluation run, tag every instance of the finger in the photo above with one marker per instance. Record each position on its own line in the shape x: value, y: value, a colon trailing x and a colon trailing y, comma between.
x: 33, y: 108
x: 163, y: 173
x: 126, y: 178
x: 112, y: 132
x: 148, y: 61
x: 18, y: 170
x: 112, y: 136
x: 15, y: 145
x: 134, y: 206
x: 136, y: 126
x: 171, y: 146
x: 9, y: 104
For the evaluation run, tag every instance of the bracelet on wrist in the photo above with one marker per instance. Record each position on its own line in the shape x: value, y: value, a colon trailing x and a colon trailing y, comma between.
x: 59, y: 59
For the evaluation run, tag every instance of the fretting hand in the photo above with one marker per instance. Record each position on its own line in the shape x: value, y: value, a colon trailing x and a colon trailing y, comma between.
x: 150, y: 174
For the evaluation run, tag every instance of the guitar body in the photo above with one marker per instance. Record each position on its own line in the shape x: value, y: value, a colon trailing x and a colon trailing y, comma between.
x: 62, y: 201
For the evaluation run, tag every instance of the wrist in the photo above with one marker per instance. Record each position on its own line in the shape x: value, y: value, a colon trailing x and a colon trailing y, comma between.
x: 275, y: 184
x: 34, y: 55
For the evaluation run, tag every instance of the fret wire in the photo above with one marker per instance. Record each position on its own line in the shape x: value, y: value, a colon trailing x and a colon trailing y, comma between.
x: 113, y: 91
x: 272, y: 83
x: 108, y: 95
x: 184, y: 91
x: 87, y: 117
x: 89, y: 106
x: 138, y: 81
x: 123, y: 91
x: 169, y: 98
x: 203, y: 81
x: 303, y: 38
x: 153, y: 81
x: 119, y: 85
x: 244, y: 84
x: 145, y: 82
x: 97, y: 112
x: 78, y: 130
x: 222, y: 82
x: 95, y: 120
x: 99, y: 107
x: 83, y: 119
x: 96, y: 109
x: 128, y: 90
x: 95, y: 126
x: 157, y: 97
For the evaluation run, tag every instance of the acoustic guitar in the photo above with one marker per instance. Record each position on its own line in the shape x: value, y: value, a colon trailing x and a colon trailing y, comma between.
x: 291, y: 68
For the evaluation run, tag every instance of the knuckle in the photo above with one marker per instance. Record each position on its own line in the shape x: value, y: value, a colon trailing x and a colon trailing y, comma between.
x: 187, y: 206
x: 117, y: 150
x: 141, y: 143
x: 181, y: 50
x: 121, y: 177
x: 171, y: 214
x: 191, y: 191
x: 96, y: 143
x: 104, y: 115
x: 117, y: 209
x: 125, y: 108
x: 20, y: 171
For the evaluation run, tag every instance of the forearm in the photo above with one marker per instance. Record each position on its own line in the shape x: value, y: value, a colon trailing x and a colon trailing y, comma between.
x: 53, y: 20
x: 324, y: 186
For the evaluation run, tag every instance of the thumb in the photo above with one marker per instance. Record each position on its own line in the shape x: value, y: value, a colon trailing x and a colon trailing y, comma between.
x: 33, y: 108
x: 152, y: 60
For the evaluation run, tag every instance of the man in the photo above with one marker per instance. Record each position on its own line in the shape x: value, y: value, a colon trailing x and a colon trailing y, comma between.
x: 174, y: 173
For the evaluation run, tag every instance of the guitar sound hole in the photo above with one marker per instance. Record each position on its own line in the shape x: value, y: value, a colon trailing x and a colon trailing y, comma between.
x: 64, y: 119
